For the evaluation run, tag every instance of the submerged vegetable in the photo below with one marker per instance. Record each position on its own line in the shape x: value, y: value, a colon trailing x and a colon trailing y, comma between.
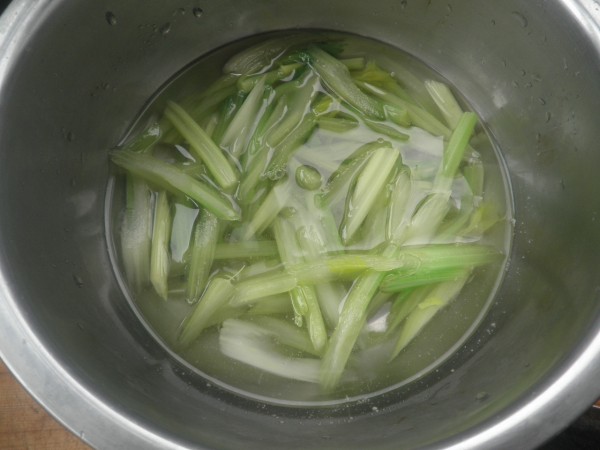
x: 335, y: 213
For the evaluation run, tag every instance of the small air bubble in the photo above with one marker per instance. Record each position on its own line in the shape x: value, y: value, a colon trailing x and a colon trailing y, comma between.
x: 165, y: 29
x: 111, y: 18
x: 520, y: 18
x: 197, y: 12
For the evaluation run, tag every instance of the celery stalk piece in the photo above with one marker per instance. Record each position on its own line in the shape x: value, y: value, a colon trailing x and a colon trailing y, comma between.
x: 202, y: 146
x: 217, y: 294
x: 136, y: 233
x: 286, y: 333
x: 247, y: 83
x: 368, y: 187
x: 337, y: 78
x: 337, y: 124
x: 351, y: 322
x: 304, y: 297
x: 246, y: 250
x: 419, y: 116
x: 356, y: 63
x: 256, y: 289
x: 144, y: 141
x: 474, y: 173
x: 446, y: 102
x: 375, y: 75
x: 252, y: 345
x: 205, y: 237
x: 455, y: 150
x: 264, y: 54
x: 225, y: 114
x: 161, y: 236
x: 340, y: 179
x: 177, y: 182
x: 236, y: 136
x: 396, y: 283
x: 282, y: 153
x: 405, y: 302
x: 420, y: 316
x: 297, y: 106
x: 400, y: 196
x: 387, y: 130
x: 275, y: 200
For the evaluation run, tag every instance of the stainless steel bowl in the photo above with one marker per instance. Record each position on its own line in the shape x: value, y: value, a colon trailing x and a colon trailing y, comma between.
x: 74, y: 73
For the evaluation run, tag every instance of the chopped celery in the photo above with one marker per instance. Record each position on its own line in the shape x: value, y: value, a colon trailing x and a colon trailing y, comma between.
x: 217, y: 294
x: 367, y: 187
x: 445, y: 100
x: 161, y: 236
x: 205, y: 237
x: 203, y: 146
x: 307, y: 177
x: 245, y: 250
x: 268, y: 210
x: 174, y: 180
x: 337, y: 78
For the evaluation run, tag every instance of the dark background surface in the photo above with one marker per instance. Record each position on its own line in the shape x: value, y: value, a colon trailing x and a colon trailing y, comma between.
x: 583, y: 434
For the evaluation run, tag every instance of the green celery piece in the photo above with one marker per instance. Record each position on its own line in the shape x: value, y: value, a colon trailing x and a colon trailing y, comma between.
x: 438, y: 297
x: 308, y: 178
x: 352, y: 319
x: 337, y: 78
x: 297, y: 105
x: 161, y: 237
x: 286, y: 333
x: 177, y: 182
x: 247, y: 83
x: 400, y: 196
x: 217, y: 295
x: 237, y: 134
x: 387, y: 130
x: 275, y: 200
x: 136, y: 233
x: 340, y: 179
x: 446, y: 102
x: 474, y: 173
x: 375, y: 75
x: 396, y: 283
x: 144, y: 141
x: 246, y: 250
x: 331, y: 122
x: 264, y: 54
x: 203, y: 146
x: 419, y: 116
x: 225, y: 114
x: 356, y: 63
x: 251, y: 344
x: 258, y: 288
x: 397, y: 115
x: 304, y: 297
x: 405, y: 302
x: 277, y: 167
x: 368, y: 186
x: 205, y: 237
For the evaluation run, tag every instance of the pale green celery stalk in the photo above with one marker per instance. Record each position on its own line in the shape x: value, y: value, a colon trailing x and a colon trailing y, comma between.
x: 337, y: 124
x: 446, y: 102
x: 455, y: 150
x: 375, y: 75
x: 304, y: 297
x: 474, y: 173
x: 340, y: 179
x: 246, y: 250
x: 368, y: 186
x: 144, y: 141
x: 373, y: 231
x: 260, y: 267
x: 205, y: 237
x: 161, y: 236
x: 278, y: 304
x: 297, y: 106
x: 400, y: 196
x: 136, y: 233
x: 225, y: 114
x: 277, y: 167
x: 177, y: 182
x: 258, y: 288
x: 406, y: 301
x: 352, y: 319
x: 387, y: 130
x: 247, y: 83
x: 453, y: 226
x: 252, y: 345
x: 397, y: 115
x: 440, y: 296
x: 203, y: 146
x: 286, y: 334
x: 337, y: 78
x: 429, y: 215
x: 217, y: 294
x: 356, y: 63
x: 238, y: 132
x: 264, y: 54
x: 485, y: 216
x: 396, y: 283
x: 419, y: 116
x: 380, y: 299
x: 275, y: 200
